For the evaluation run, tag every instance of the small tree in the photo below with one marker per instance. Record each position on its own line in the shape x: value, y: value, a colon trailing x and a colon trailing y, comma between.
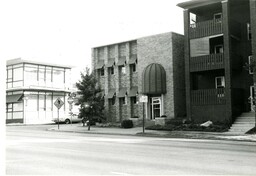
x: 90, y: 93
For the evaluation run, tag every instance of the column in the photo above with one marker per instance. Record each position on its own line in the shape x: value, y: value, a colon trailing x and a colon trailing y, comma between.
x: 227, y: 55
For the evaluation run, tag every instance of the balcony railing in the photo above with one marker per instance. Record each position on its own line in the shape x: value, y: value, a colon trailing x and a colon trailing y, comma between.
x: 208, y: 96
x: 207, y: 62
x: 205, y: 28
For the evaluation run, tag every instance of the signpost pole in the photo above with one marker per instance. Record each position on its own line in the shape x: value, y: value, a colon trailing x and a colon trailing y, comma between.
x: 58, y: 120
x: 143, y: 120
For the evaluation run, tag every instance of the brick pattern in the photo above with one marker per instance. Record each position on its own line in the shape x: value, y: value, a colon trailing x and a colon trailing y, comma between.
x: 153, y: 49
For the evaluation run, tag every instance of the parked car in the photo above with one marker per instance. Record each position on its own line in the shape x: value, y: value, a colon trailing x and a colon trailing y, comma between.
x: 68, y: 119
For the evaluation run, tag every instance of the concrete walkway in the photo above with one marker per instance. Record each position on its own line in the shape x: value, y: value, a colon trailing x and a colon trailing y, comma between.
x: 138, y: 131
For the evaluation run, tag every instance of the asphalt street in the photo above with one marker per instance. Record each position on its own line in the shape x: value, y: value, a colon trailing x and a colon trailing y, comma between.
x: 31, y: 150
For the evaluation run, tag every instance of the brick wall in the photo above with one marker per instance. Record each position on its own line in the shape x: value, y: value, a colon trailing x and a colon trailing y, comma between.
x: 157, y: 49
x: 179, y: 76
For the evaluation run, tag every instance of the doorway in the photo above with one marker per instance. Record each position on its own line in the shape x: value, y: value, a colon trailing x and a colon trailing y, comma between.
x: 156, y: 107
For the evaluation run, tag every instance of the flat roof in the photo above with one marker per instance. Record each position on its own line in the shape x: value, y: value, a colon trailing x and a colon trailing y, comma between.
x: 196, y: 3
x: 19, y: 61
x: 175, y: 33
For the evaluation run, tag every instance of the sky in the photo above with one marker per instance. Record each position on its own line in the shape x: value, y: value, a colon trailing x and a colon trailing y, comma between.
x: 64, y: 31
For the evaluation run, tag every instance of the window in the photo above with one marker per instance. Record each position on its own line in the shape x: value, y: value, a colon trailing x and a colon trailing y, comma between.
x: 113, y: 100
x: 41, y: 75
x: 218, y: 49
x: 111, y: 70
x: 102, y: 72
x: 220, y: 82
x: 134, y: 100
x: 250, y: 62
x: 133, y: 67
x: 217, y: 17
x: 123, y: 100
x: 30, y: 74
x: 123, y: 70
x: 249, y: 31
x: 18, y: 74
x: 192, y: 20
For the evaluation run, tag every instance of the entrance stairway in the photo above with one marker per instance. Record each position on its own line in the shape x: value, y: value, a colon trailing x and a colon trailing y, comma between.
x: 243, y: 123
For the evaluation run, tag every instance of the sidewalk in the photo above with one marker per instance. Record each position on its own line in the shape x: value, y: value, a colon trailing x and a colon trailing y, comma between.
x: 137, y: 131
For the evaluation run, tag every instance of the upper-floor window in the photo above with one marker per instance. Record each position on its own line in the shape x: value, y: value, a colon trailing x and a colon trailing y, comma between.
x: 250, y: 67
x: 192, y: 20
x: 123, y: 69
x: 133, y: 67
x: 102, y: 71
x: 217, y: 17
x: 220, y: 82
x: 111, y: 70
x: 218, y: 49
x: 249, y: 32
x: 123, y: 100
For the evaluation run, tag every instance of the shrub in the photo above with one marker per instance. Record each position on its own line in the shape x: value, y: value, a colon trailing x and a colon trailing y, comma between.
x: 135, y: 117
x: 127, y: 124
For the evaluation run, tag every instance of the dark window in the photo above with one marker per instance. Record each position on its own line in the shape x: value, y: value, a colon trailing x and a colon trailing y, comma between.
x: 134, y: 100
x: 133, y: 67
x: 102, y: 71
x: 111, y: 70
x: 249, y: 32
x: 123, y: 101
x: 113, y: 100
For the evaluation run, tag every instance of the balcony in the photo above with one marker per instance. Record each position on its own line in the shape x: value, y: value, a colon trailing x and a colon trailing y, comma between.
x: 207, y: 62
x: 208, y: 97
x: 205, y: 28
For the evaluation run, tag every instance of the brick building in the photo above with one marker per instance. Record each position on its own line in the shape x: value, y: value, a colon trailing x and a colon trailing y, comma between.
x: 219, y: 40
x: 32, y: 88
x: 153, y: 66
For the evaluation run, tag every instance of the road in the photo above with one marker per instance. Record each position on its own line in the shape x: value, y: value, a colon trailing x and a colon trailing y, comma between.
x: 31, y: 150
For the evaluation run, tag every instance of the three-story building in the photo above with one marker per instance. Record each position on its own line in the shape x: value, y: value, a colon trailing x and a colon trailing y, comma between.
x: 219, y: 41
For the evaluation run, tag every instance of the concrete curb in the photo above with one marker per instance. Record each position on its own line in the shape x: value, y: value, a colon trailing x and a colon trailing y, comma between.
x: 151, y: 134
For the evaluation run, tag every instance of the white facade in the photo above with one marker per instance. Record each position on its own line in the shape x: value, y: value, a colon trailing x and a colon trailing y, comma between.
x: 31, y: 90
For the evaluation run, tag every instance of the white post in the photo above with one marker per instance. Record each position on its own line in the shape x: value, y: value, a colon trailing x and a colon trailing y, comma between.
x: 162, y: 104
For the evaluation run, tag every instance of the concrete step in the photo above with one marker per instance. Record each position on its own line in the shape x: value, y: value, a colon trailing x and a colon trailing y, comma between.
x: 248, y: 114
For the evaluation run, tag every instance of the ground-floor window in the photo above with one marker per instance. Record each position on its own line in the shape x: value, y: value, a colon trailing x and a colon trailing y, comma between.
x: 14, y: 110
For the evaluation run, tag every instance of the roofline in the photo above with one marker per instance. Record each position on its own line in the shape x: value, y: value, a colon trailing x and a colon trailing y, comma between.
x: 19, y: 61
x: 136, y: 39
x: 197, y: 3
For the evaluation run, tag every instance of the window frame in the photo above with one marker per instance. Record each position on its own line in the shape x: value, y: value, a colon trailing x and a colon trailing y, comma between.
x: 222, y: 82
x: 249, y: 61
x: 249, y: 31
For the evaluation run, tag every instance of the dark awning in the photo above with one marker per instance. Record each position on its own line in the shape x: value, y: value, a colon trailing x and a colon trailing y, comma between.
x: 133, y: 60
x: 111, y: 93
x: 154, y: 79
x: 122, y: 93
x: 100, y: 64
x: 13, y: 98
x: 121, y: 61
x: 111, y: 62
x: 133, y: 91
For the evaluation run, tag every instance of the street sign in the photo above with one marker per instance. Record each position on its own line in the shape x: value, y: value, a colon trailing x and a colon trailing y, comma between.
x: 70, y: 100
x: 58, y: 103
x: 143, y: 98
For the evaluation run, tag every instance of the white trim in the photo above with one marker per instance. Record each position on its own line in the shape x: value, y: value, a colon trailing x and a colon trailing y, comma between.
x: 222, y: 82
x: 215, y: 48
x: 249, y: 60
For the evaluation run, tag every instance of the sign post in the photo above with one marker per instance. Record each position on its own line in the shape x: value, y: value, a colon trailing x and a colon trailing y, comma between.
x: 70, y: 101
x: 143, y: 99
x: 58, y: 103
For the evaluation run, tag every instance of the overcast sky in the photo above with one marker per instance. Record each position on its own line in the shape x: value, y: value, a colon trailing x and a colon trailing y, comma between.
x: 64, y: 31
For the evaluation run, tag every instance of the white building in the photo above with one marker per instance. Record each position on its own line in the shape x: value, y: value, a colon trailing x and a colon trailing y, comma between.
x: 32, y: 88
